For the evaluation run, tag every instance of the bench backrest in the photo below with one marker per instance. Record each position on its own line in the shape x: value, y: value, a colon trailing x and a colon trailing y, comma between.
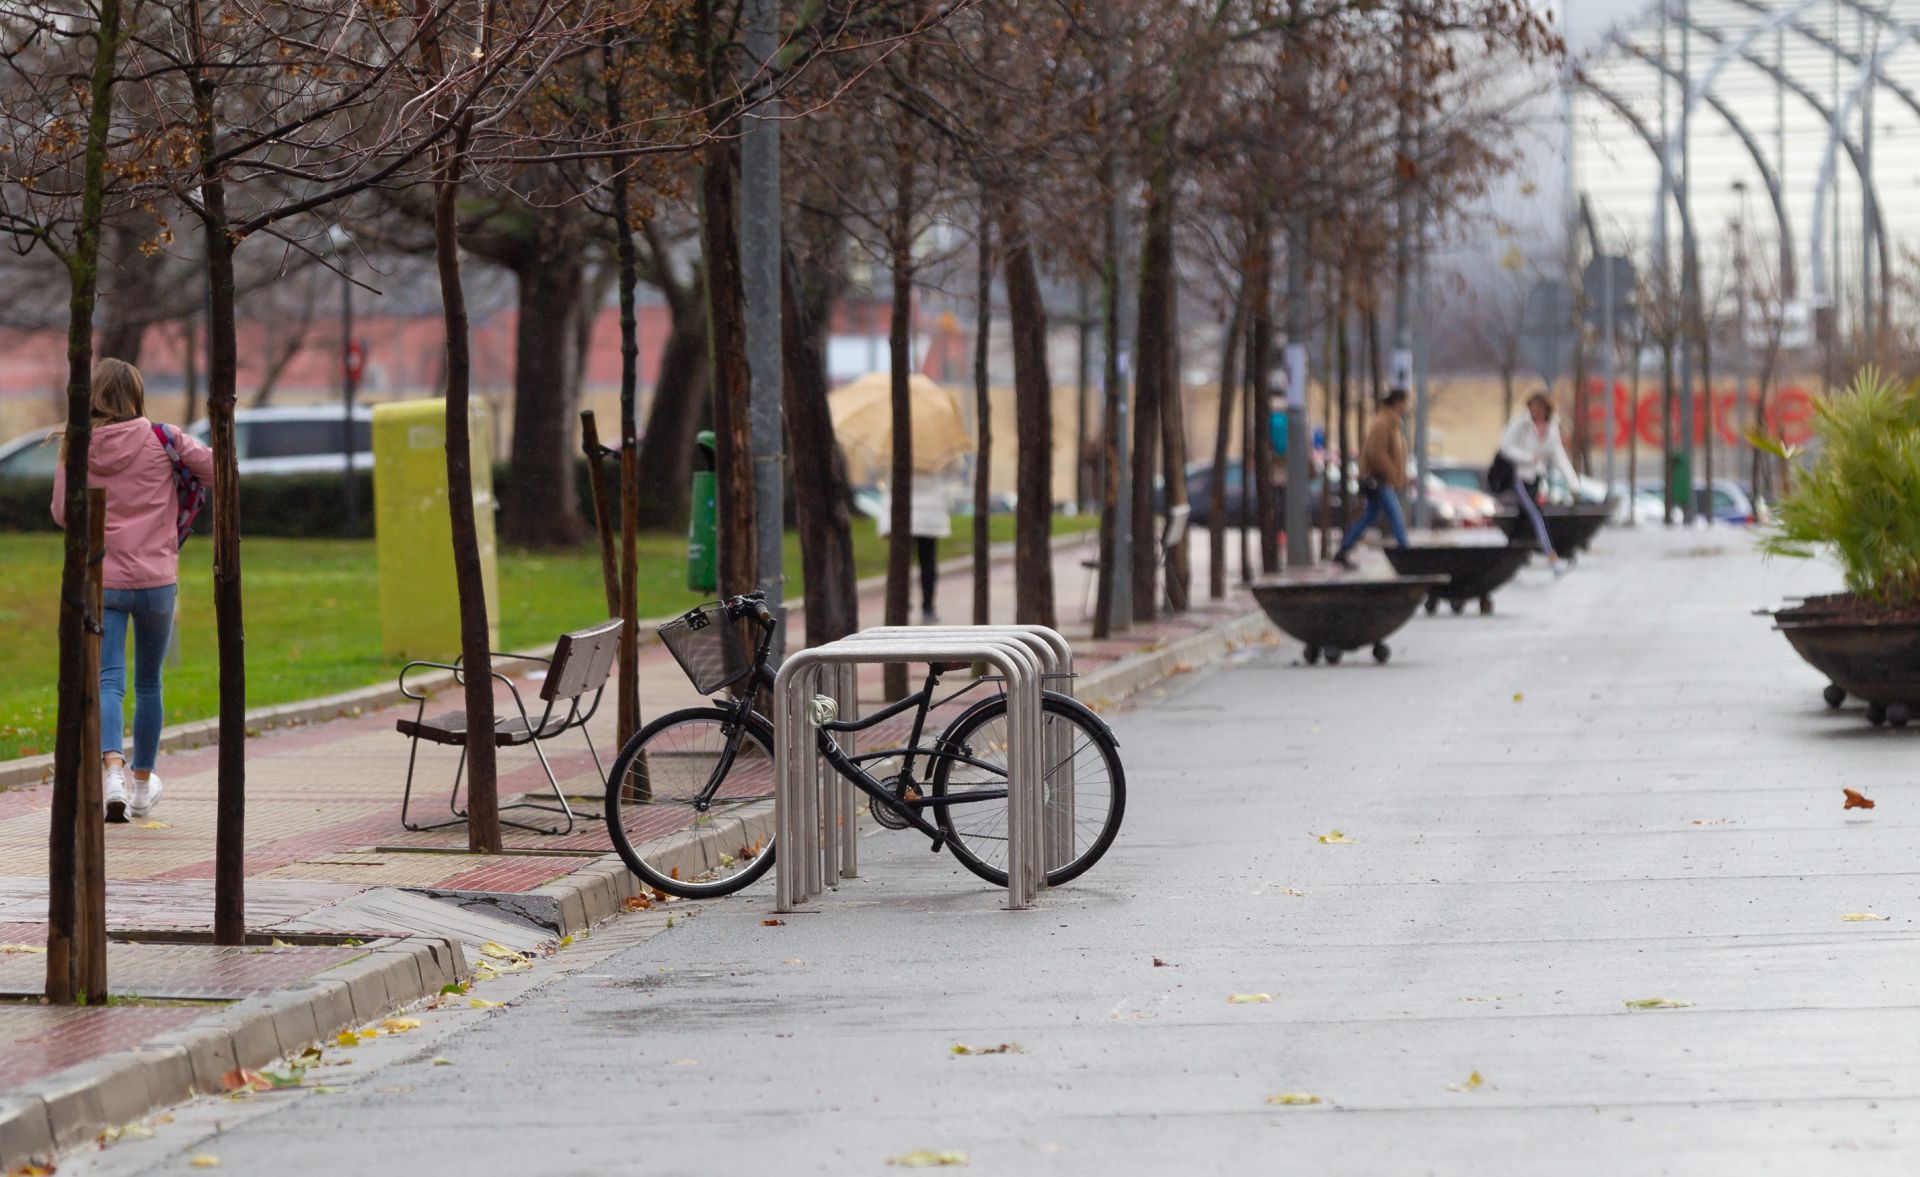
x: 1175, y: 530
x: 582, y: 660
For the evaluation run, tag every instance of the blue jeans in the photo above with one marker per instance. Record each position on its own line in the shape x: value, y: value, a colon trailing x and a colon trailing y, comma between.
x: 151, y: 612
x: 1530, y: 508
x: 1379, y: 502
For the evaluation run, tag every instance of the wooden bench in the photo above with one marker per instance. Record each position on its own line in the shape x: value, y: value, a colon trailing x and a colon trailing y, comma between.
x: 575, y: 680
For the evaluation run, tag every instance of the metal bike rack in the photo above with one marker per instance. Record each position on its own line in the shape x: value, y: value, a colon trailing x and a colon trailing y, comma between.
x: 1055, y: 656
x: 812, y: 854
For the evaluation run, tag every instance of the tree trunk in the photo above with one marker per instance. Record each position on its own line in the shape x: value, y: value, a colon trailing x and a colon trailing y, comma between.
x: 983, y: 410
x: 541, y: 506
x: 681, y: 404
x: 629, y: 279
x: 899, y: 349
x: 819, y: 468
x: 727, y: 359
x: 223, y: 367
x: 483, y: 797
x: 1259, y: 282
x: 1151, y: 347
x: 1113, y: 404
x: 1343, y: 357
x: 1217, y: 481
x: 1173, y: 438
x: 78, y: 698
x: 1033, y: 421
x: 190, y: 367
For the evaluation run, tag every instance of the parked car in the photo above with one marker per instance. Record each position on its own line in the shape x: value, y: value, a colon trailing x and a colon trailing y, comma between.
x: 1460, y: 476
x: 1457, y: 506
x: 30, y: 455
x: 303, y: 439
x: 1729, y: 501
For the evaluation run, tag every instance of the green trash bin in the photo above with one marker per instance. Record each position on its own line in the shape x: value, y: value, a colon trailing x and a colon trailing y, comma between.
x: 703, y: 574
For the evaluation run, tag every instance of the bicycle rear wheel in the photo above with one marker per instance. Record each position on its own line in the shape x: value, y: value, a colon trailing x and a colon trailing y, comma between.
x: 653, y: 811
x: 1081, y: 822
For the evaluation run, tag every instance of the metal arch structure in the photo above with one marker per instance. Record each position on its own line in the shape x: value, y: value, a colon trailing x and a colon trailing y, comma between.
x: 1668, y: 186
x: 1776, y: 195
x: 1876, y: 222
x: 1885, y: 80
x: 1823, y: 184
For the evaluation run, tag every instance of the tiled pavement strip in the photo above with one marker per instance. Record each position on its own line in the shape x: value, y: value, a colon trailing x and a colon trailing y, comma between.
x: 323, y: 831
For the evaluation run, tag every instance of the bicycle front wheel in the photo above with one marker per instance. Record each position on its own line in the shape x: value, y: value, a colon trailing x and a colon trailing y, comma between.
x: 1084, y: 790
x: 690, y: 802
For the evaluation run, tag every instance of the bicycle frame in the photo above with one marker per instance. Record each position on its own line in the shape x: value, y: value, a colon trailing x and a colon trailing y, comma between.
x: 850, y: 767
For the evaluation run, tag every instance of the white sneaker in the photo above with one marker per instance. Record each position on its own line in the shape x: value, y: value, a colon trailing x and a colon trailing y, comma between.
x: 115, y: 781
x: 146, y: 794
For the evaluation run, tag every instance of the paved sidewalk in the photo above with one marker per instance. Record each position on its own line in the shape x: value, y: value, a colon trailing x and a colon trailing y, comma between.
x: 1618, y: 789
x: 326, y: 853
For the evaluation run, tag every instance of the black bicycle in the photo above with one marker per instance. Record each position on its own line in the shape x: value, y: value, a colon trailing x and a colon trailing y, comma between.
x: 690, y: 797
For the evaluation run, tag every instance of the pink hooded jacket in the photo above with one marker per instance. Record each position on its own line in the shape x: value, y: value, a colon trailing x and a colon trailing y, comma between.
x: 143, y: 510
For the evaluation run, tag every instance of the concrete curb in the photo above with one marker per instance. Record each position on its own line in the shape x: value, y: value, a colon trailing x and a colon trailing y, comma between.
x: 33, y: 770
x: 67, y: 1109
x: 1128, y: 676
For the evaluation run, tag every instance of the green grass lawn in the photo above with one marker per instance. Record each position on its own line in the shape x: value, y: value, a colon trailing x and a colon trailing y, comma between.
x: 313, y: 624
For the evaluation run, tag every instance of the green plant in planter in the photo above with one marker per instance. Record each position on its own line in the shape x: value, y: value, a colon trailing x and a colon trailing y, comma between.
x: 1861, y: 498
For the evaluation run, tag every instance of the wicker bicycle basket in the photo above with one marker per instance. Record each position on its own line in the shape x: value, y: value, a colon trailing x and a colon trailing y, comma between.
x: 706, y: 643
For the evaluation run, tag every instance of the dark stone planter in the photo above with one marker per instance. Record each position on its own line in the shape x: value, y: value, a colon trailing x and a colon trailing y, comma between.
x: 1877, y: 662
x: 1473, y: 572
x: 1571, y: 529
x: 1331, y: 617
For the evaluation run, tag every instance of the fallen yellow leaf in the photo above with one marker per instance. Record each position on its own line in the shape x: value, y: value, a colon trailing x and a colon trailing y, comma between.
x: 500, y: 952
x: 277, y: 942
x: 1864, y: 917
x: 1003, y: 1048
x: 31, y: 1169
x: 29, y: 948
x: 1473, y: 1083
x: 1293, y: 1099
x: 1249, y: 999
x: 155, y: 825
x: 442, y: 1062
x: 1296, y: 892
x: 1518, y: 697
x: 483, y: 1003
x: 204, y: 1160
x: 399, y: 1025
x: 1333, y: 836
x: 1657, y: 1003
x: 921, y: 1158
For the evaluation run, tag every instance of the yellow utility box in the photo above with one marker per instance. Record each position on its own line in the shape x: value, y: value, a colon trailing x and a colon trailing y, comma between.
x: 419, y: 602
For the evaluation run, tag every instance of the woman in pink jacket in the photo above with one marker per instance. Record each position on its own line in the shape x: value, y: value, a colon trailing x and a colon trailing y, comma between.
x: 128, y: 458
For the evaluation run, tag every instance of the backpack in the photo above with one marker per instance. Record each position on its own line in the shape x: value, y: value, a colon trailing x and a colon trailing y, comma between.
x: 188, y: 491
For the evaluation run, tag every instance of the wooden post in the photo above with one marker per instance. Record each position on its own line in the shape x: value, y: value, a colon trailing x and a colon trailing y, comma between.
x: 597, y: 479
x: 629, y: 684
x: 90, y: 834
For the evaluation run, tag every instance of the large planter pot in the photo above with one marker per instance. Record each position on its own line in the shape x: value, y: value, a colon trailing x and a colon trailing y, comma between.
x: 1569, y: 529
x: 1472, y: 571
x: 1877, y: 662
x: 1331, y: 617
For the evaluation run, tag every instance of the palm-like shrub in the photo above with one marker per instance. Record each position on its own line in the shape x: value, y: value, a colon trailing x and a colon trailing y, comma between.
x: 1861, y: 498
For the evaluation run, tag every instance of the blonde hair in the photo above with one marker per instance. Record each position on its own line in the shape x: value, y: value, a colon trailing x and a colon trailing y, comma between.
x: 119, y: 394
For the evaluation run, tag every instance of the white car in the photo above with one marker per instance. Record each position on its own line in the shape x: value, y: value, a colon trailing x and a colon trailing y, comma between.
x: 301, y: 439
x: 30, y: 455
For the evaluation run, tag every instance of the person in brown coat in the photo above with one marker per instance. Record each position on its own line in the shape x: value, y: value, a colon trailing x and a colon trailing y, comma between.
x: 1383, y: 473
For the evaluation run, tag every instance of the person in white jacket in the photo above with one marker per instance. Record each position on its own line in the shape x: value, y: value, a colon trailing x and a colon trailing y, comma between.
x: 931, y: 521
x: 1529, y: 446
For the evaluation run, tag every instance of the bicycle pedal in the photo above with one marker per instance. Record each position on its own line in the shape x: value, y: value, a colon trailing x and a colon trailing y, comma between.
x: 939, y: 844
